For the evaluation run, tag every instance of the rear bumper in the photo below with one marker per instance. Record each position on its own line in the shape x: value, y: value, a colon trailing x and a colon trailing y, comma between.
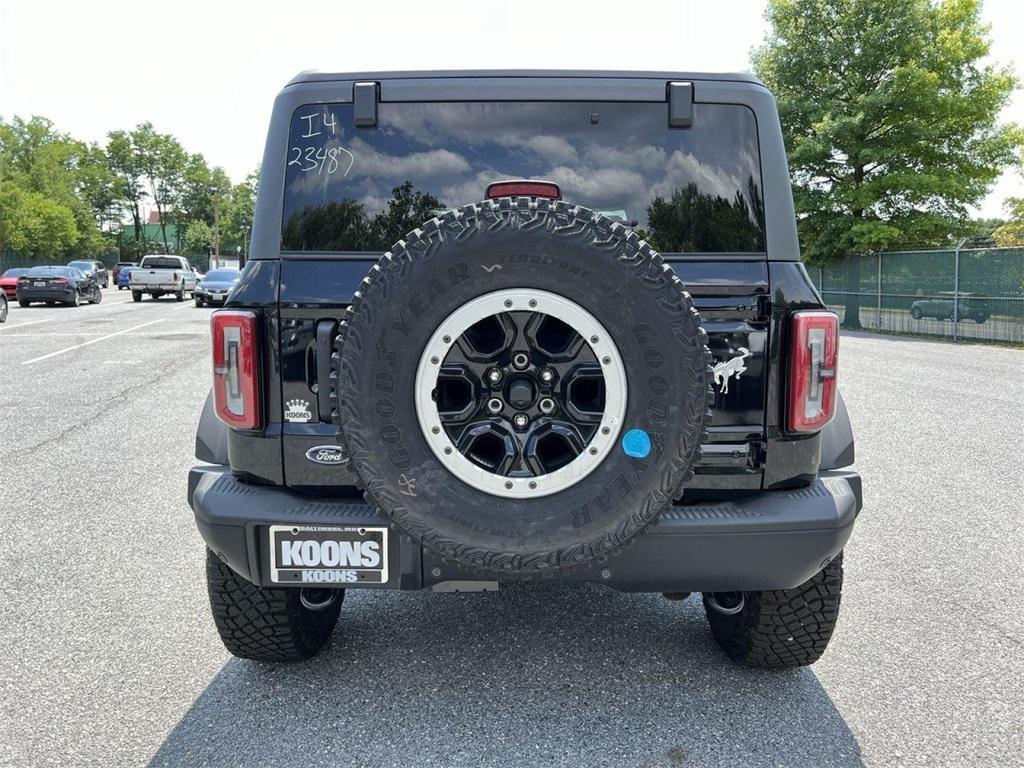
x: 770, y: 540
x: 165, y: 288
x: 46, y: 294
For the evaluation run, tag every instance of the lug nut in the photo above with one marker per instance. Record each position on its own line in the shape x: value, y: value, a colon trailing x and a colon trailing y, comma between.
x: 520, y: 360
x: 494, y: 405
x: 520, y: 420
x: 547, y: 405
x: 547, y: 375
x: 494, y: 375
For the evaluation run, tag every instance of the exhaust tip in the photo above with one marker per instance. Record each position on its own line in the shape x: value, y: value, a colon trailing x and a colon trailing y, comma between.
x: 317, y: 599
x: 725, y: 603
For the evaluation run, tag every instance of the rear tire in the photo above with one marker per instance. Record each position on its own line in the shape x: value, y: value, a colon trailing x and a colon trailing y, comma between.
x: 265, y: 624
x: 136, y: 296
x: 199, y: 302
x: 23, y: 303
x: 781, y: 628
x: 915, y: 313
x: 179, y: 296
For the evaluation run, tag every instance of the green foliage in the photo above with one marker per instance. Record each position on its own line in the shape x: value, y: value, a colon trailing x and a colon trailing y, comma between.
x: 60, y: 198
x: 345, y: 226
x: 1012, y: 231
x: 239, y: 210
x: 890, y: 117
x: 695, y: 221
x: 198, y: 236
x: 56, y: 191
x: 34, y: 225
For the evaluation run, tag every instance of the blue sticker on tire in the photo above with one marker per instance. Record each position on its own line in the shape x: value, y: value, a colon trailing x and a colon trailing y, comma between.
x: 636, y: 443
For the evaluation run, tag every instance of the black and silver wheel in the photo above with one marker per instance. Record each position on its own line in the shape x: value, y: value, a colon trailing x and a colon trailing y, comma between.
x: 3, y: 308
x: 522, y: 386
x: 521, y: 393
x: 915, y: 313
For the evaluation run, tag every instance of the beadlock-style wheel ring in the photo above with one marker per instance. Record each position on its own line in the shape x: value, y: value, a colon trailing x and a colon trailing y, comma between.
x: 595, y: 433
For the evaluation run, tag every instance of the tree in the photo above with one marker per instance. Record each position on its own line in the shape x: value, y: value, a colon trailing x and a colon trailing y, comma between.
x: 51, y: 180
x: 239, y: 210
x: 406, y: 210
x: 696, y: 221
x: 126, y: 163
x: 198, y: 236
x: 34, y: 225
x: 1012, y: 231
x: 890, y: 119
x: 163, y: 162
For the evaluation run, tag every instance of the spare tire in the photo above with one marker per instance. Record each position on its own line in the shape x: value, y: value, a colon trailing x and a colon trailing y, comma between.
x: 522, y: 385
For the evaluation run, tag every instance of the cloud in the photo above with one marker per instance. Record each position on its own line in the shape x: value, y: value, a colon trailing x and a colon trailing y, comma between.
x: 598, y: 187
x: 683, y: 168
x: 425, y: 168
x: 471, y: 190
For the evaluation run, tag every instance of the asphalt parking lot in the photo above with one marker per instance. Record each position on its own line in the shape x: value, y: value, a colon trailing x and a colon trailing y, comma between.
x: 111, y: 657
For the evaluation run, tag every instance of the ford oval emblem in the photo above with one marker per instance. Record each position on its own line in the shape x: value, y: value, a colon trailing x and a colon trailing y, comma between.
x: 326, y: 454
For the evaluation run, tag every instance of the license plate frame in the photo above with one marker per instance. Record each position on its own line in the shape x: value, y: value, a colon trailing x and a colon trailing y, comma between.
x: 342, y: 564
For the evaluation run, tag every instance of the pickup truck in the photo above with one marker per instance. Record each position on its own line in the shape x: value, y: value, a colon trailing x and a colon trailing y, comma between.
x: 525, y: 326
x: 157, y: 275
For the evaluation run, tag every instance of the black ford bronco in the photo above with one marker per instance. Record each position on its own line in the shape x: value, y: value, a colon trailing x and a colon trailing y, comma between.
x: 502, y: 326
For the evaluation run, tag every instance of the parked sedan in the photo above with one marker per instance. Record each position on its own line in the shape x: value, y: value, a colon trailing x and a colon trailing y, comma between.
x: 9, y: 281
x: 58, y: 285
x: 94, y: 268
x: 215, y: 286
x: 115, y: 273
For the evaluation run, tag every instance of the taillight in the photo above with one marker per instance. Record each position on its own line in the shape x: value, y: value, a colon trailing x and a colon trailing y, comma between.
x: 174, y: 277
x: 524, y: 189
x: 61, y: 281
x: 235, y: 368
x: 813, y: 357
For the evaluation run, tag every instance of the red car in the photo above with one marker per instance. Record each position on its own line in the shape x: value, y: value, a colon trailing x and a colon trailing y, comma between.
x: 9, y: 282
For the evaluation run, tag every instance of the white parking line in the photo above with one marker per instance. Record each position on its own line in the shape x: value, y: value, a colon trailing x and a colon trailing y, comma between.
x: 84, y: 334
x: 91, y: 341
x: 6, y: 327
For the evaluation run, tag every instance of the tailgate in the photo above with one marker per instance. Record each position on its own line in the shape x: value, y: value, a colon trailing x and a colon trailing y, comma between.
x: 731, y: 295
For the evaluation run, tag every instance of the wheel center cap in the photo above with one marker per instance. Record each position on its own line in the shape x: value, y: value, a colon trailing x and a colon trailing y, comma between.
x: 521, y: 393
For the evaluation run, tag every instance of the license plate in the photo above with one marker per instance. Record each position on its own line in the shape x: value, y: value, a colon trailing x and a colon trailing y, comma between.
x: 312, y: 554
x: 39, y: 285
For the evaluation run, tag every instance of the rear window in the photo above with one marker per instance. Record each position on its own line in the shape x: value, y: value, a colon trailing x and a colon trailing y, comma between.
x: 52, y: 272
x: 156, y: 262
x: 85, y: 266
x: 15, y: 272
x: 692, y: 190
x: 222, y: 274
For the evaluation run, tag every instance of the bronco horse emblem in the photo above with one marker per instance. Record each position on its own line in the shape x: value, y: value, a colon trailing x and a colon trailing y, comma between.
x: 728, y: 368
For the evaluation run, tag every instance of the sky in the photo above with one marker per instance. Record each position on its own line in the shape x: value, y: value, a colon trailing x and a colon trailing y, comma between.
x: 207, y: 72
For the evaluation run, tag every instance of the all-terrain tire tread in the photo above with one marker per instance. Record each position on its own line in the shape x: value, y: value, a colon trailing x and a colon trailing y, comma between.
x: 265, y: 624
x: 564, y: 220
x: 782, y: 628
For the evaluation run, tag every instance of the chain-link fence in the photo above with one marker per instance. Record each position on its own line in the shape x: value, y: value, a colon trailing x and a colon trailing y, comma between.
x: 963, y: 295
